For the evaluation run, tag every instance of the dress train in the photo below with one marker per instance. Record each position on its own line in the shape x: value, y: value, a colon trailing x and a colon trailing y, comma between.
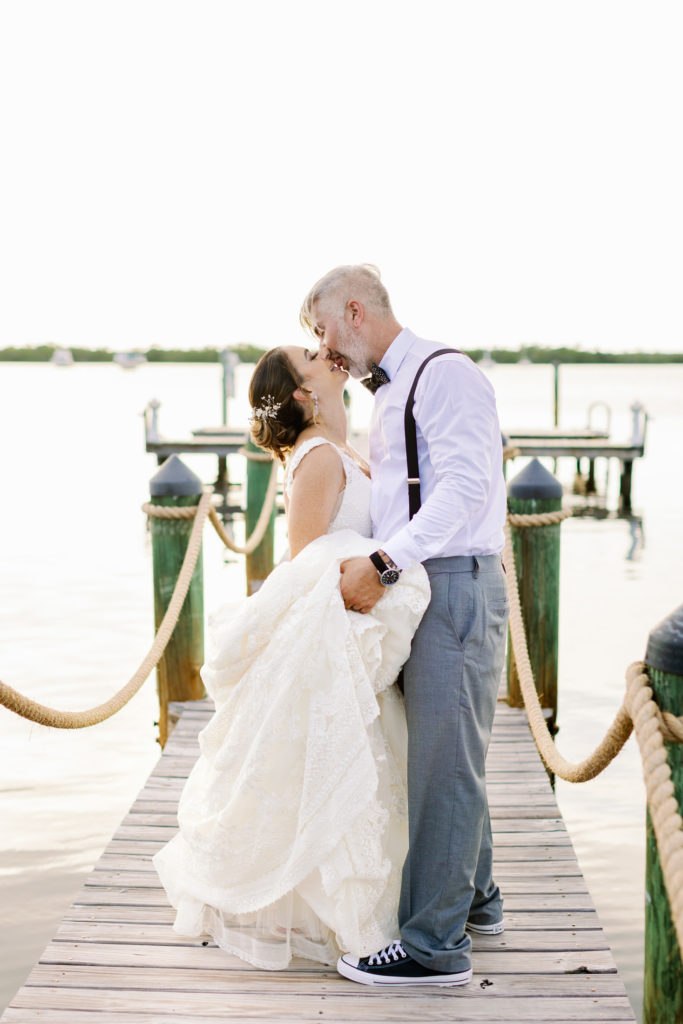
x: 293, y: 822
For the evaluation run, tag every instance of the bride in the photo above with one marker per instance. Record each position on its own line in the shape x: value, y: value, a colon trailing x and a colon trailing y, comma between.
x: 293, y: 822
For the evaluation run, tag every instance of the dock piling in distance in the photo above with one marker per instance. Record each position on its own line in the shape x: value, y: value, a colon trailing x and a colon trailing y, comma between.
x: 638, y: 429
x: 260, y: 561
x: 537, y: 557
x: 229, y: 361
x: 663, y: 980
x: 178, y: 679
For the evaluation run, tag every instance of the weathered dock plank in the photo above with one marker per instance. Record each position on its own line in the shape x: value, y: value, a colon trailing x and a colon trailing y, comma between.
x: 530, y: 919
x: 116, y: 959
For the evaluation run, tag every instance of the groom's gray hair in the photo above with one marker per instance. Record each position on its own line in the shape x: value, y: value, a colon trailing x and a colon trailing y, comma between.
x: 360, y: 281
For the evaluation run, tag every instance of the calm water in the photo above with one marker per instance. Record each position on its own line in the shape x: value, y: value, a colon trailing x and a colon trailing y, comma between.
x: 76, y: 616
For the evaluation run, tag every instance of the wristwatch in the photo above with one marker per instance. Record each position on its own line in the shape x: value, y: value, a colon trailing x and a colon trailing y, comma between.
x: 388, y: 571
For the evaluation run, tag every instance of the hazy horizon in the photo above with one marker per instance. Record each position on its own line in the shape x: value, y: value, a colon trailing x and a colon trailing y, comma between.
x: 495, y: 348
x: 179, y: 173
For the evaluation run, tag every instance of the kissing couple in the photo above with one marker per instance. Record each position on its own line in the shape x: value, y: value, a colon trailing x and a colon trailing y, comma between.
x: 330, y: 815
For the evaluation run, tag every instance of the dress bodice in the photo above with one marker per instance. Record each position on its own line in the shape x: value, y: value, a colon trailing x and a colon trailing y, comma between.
x: 353, y: 505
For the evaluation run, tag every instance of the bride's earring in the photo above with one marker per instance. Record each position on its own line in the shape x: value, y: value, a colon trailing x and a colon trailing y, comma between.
x: 316, y: 406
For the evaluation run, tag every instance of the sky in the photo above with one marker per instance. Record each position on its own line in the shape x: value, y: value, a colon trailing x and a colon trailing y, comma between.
x: 180, y: 173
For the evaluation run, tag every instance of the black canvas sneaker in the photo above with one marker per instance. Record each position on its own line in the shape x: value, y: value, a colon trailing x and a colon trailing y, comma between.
x: 393, y: 966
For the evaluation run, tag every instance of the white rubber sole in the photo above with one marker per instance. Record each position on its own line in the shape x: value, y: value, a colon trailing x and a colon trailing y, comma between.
x: 486, y: 929
x: 363, y: 978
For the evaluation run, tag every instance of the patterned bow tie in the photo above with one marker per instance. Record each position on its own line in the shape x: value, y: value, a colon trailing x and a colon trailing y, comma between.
x: 377, y: 378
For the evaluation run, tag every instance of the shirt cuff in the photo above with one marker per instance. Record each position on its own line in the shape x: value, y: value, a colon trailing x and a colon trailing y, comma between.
x: 403, y: 550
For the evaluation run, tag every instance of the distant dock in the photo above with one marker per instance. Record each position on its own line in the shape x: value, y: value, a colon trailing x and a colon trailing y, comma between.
x: 581, y: 444
x: 555, y: 443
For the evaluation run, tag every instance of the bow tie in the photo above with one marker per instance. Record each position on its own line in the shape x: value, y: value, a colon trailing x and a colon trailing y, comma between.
x: 377, y: 378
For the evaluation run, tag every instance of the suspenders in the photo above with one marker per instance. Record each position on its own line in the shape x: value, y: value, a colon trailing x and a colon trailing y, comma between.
x: 414, y: 498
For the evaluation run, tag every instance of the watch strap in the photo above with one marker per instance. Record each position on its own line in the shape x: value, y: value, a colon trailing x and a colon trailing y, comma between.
x: 378, y: 562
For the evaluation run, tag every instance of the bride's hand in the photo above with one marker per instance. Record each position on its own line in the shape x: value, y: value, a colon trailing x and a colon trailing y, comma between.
x: 360, y: 585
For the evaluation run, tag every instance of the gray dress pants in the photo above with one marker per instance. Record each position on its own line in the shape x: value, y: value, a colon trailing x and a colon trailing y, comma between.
x: 451, y: 683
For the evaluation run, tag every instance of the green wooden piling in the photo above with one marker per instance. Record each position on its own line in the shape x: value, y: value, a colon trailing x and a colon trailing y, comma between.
x: 178, y: 676
x: 260, y: 561
x: 663, y: 980
x: 537, y: 557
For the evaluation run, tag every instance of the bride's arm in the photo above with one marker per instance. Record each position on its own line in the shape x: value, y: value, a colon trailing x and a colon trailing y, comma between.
x: 317, y: 481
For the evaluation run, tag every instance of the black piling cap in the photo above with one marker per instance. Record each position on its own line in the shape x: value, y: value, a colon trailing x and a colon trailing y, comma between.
x: 665, y: 645
x: 174, y: 479
x: 535, y: 481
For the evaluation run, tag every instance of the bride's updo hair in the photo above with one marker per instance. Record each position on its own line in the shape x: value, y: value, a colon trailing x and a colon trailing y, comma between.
x: 277, y: 418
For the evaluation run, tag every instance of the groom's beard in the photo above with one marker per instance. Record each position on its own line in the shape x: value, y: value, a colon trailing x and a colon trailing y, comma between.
x: 353, y: 350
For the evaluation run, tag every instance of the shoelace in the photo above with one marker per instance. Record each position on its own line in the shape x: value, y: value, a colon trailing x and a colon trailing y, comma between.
x: 393, y: 952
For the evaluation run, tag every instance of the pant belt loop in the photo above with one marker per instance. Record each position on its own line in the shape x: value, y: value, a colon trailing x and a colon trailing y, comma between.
x: 475, y: 574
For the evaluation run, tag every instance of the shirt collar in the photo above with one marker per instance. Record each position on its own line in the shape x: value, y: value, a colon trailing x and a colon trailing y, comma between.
x: 397, y: 351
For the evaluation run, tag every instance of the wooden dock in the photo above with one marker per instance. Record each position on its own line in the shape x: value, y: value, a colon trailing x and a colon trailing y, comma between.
x: 577, y: 448
x: 116, y: 959
x: 584, y: 445
x: 220, y: 444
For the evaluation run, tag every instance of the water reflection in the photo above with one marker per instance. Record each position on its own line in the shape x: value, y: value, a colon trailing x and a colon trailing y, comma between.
x: 637, y: 537
x: 636, y: 525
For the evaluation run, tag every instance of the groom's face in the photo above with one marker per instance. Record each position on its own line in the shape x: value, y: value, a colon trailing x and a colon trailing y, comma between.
x: 340, y: 342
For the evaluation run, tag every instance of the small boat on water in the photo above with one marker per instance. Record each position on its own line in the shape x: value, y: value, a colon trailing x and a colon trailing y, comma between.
x: 62, y: 357
x: 486, y: 362
x: 129, y: 360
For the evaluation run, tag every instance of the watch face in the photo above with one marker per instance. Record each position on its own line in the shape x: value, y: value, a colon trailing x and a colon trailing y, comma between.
x: 389, y: 576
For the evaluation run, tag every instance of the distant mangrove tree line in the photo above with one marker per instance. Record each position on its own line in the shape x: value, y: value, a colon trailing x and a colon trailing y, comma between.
x: 251, y: 354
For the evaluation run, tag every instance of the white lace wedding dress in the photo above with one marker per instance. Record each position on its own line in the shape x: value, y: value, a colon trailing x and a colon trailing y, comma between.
x: 293, y: 822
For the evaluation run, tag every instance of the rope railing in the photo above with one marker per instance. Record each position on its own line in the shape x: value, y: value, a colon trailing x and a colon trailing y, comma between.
x: 55, y: 718
x: 258, y: 533
x: 653, y: 728
x: 510, y: 451
x: 43, y: 715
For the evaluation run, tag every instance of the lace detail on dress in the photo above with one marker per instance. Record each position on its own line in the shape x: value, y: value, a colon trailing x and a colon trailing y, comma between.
x: 293, y: 822
x: 353, y: 507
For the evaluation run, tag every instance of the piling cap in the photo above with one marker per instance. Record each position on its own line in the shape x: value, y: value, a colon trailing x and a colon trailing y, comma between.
x: 174, y: 480
x: 665, y: 644
x: 535, y: 481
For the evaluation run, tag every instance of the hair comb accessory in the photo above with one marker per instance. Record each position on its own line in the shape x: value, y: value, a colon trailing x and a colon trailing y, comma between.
x: 268, y: 409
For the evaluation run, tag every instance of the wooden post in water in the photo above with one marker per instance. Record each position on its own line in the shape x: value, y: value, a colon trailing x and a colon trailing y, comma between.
x: 625, y: 486
x: 537, y: 557
x: 260, y: 561
x: 178, y: 670
x: 663, y: 981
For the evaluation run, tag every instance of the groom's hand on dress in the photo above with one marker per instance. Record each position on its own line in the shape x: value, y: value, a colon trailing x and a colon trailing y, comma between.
x: 360, y: 584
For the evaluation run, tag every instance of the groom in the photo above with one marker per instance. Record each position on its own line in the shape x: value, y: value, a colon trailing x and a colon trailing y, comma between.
x: 453, y: 524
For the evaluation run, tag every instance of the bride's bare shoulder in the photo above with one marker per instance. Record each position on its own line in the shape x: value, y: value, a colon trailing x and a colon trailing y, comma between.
x: 315, y: 453
x: 314, y: 459
x: 313, y: 485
